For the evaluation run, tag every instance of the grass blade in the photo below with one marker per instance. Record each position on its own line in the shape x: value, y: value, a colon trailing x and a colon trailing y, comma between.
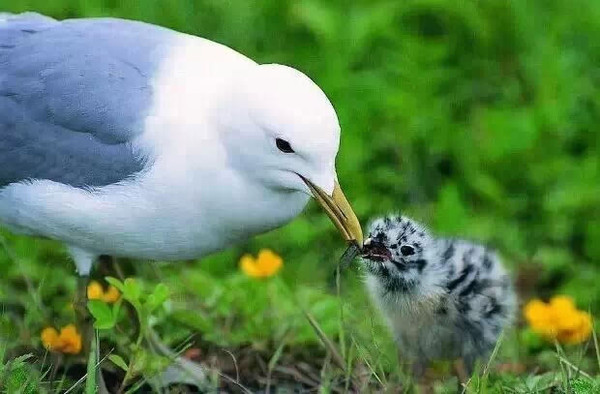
x: 595, y: 336
x: 336, y: 356
x: 90, y: 381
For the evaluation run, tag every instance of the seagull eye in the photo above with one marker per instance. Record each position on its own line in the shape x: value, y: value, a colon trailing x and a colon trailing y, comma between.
x: 283, y: 145
x: 407, y: 250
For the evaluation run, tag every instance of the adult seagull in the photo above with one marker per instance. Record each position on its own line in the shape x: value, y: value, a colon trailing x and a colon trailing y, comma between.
x: 127, y: 139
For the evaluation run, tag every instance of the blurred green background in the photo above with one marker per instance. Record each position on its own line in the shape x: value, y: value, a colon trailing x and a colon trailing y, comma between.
x: 479, y: 118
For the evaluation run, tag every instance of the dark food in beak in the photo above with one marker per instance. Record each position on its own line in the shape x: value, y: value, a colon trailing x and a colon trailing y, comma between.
x: 349, y: 255
x: 375, y: 251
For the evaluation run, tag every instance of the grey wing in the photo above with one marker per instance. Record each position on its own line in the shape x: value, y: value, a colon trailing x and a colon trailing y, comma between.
x: 73, y: 97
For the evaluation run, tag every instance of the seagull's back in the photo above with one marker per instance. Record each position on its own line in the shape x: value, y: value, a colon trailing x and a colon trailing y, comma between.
x: 74, y: 96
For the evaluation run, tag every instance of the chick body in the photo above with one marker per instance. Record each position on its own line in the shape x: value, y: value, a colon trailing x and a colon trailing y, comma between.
x: 442, y: 298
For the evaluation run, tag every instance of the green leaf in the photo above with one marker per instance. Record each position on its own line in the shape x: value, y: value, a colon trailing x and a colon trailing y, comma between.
x: 21, y: 378
x: 115, y: 282
x: 102, y: 313
x: 158, y: 297
x: 139, y: 361
x: 118, y: 361
x: 115, y: 310
x: 132, y: 290
x: 582, y: 386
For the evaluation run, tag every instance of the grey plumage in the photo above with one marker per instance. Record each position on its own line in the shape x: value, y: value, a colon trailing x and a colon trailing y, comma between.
x: 443, y: 298
x: 72, y: 97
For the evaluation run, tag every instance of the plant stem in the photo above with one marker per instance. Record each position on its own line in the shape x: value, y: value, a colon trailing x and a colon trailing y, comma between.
x: 90, y: 382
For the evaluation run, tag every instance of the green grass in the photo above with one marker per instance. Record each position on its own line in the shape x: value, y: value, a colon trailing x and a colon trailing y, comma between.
x: 479, y: 118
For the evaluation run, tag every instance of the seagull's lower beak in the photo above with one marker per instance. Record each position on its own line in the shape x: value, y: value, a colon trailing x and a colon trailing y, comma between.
x: 339, y: 211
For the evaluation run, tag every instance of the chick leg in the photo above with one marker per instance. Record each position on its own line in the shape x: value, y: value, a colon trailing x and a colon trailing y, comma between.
x: 419, y: 369
x: 463, y: 372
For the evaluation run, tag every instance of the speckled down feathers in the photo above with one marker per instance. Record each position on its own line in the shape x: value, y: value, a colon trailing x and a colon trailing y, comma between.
x: 450, y: 299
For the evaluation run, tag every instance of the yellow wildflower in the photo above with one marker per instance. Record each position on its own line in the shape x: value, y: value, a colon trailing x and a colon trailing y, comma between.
x: 49, y: 337
x: 248, y: 265
x: 581, y: 329
x: 112, y: 295
x: 539, y: 316
x: 96, y: 292
x: 562, y: 304
x: 68, y: 341
x: 265, y: 265
x: 559, y: 320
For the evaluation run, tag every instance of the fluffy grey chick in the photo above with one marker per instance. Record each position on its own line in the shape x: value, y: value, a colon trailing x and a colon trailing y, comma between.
x: 443, y: 299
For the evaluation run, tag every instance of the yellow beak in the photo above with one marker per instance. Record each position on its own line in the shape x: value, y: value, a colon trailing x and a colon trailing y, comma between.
x: 339, y: 211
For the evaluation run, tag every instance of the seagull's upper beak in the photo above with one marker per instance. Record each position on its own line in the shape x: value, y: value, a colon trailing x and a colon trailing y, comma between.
x: 339, y: 211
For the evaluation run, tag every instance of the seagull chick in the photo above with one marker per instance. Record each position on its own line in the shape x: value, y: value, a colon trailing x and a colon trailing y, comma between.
x: 443, y: 299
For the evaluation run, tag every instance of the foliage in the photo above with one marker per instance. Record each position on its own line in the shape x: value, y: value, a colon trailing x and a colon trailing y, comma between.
x: 19, y: 376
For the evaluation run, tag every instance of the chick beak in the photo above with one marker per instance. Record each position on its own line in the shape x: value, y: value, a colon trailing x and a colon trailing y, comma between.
x: 375, y: 251
x: 339, y: 211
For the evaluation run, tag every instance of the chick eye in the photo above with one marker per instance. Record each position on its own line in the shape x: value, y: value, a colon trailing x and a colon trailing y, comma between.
x: 407, y: 250
x: 283, y: 145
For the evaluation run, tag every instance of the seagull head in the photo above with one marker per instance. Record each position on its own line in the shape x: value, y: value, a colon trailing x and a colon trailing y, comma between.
x: 281, y: 131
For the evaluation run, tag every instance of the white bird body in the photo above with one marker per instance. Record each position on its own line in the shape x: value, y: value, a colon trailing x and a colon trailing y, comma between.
x: 211, y: 174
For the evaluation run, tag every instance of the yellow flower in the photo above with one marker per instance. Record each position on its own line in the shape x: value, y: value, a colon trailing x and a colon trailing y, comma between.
x: 49, y: 337
x: 558, y: 320
x: 248, y: 265
x: 562, y: 303
x: 96, y: 292
x: 265, y: 265
x: 112, y: 295
x: 579, y: 330
x: 539, y: 316
x: 68, y: 341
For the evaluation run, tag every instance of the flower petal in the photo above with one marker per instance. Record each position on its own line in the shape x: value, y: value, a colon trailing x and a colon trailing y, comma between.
x: 249, y: 267
x: 269, y: 262
x: 70, y: 340
x: 538, y: 315
x: 562, y: 304
x: 111, y: 295
x: 94, y: 291
x: 49, y: 337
